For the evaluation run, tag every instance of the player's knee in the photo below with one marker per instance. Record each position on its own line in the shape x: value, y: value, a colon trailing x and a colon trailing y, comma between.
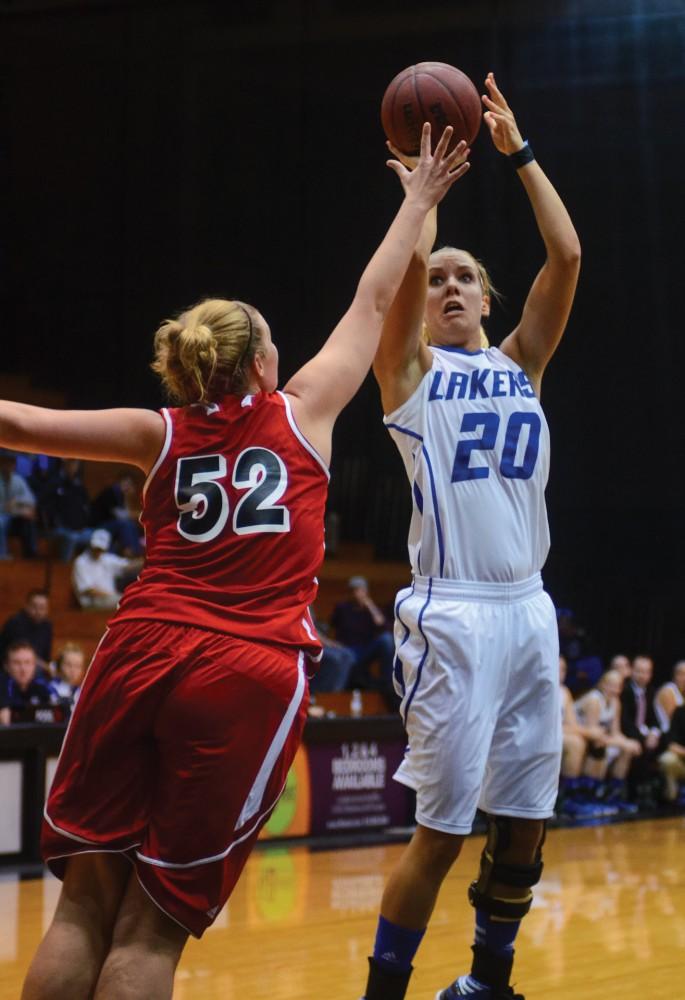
x: 574, y: 744
x: 438, y: 850
x: 504, y: 885
x: 142, y: 924
x: 526, y: 838
x: 93, y: 888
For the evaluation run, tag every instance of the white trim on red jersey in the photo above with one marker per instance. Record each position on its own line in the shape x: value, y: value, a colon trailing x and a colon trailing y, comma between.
x: 300, y: 436
x: 253, y: 803
x: 169, y: 433
x: 254, y: 799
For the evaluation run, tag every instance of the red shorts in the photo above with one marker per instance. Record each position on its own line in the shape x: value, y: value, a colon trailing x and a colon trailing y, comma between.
x: 176, y: 754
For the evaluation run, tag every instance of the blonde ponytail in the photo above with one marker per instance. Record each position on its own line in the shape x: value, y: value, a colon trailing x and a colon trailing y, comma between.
x: 205, y: 353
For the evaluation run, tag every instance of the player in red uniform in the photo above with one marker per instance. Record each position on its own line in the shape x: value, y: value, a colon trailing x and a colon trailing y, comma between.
x: 193, y: 706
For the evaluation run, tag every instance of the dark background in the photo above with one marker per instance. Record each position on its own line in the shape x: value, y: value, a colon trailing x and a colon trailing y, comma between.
x: 156, y: 152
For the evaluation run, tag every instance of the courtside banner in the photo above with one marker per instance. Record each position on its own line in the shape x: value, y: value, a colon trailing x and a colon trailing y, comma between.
x: 290, y: 818
x: 352, y: 787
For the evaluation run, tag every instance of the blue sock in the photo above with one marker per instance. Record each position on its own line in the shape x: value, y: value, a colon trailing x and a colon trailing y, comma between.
x: 395, y: 946
x: 569, y: 786
x: 590, y: 786
x: 496, y: 935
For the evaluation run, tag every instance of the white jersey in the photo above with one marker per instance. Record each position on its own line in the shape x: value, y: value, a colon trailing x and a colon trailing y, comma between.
x: 664, y: 719
x: 475, y: 444
x: 607, y: 709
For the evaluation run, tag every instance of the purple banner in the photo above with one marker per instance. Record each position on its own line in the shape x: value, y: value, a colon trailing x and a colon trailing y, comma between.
x: 352, y: 787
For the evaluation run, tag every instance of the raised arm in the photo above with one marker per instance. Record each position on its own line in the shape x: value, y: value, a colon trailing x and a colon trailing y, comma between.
x: 321, y: 389
x: 548, y: 304
x: 403, y: 357
x: 122, y: 435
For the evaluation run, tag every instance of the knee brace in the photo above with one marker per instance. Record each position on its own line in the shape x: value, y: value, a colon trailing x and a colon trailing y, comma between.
x: 521, y: 877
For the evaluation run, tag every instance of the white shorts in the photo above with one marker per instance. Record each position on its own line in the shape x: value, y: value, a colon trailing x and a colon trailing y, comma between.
x: 477, y: 668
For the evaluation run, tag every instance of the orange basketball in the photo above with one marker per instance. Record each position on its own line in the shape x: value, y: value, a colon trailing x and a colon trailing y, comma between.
x: 430, y: 92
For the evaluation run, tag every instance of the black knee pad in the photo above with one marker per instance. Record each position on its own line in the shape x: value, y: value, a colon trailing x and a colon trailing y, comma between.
x: 492, y: 870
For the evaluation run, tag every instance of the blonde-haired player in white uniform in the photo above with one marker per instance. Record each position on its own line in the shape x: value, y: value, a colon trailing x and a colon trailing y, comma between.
x: 476, y: 638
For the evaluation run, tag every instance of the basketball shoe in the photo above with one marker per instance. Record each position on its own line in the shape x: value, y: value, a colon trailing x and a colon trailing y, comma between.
x: 460, y: 988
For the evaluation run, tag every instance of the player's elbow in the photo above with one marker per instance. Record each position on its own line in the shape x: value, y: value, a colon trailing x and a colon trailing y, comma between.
x: 373, y: 300
x: 373, y: 304
x: 569, y: 251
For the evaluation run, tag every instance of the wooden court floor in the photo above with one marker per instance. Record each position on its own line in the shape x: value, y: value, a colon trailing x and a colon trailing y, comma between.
x: 608, y: 922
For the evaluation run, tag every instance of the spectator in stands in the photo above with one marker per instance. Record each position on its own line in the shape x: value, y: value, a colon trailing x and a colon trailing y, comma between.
x: 117, y: 508
x: 33, y: 625
x: 672, y: 761
x: 99, y: 576
x: 638, y: 718
x: 621, y: 663
x: 70, y: 669
x: 670, y: 696
x: 639, y: 722
x: 39, y: 466
x: 335, y: 666
x: 67, y: 509
x: 362, y: 627
x: 20, y: 688
x: 610, y: 752
x: 17, y: 507
x: 41, y: 473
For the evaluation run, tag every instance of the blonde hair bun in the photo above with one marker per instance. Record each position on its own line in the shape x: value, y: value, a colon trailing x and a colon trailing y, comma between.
x: 205, y: 353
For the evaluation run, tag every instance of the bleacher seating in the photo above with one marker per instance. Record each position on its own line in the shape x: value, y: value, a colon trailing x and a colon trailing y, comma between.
x: 69, y: 622
x: 384, y: 578
x: 86, y: 627
x: 17, y: 576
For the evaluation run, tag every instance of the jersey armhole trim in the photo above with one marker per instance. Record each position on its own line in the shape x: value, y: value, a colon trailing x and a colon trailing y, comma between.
x: 300, y: 436
x: 165, y: 448
x: 399, y: 413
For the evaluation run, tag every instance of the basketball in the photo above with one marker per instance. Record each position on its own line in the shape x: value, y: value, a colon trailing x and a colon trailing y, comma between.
x: 430, y: 92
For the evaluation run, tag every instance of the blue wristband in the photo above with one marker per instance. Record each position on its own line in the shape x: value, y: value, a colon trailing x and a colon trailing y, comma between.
x: 522, y: 156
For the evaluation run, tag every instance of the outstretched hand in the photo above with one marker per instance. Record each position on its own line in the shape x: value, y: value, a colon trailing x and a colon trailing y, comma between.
x: 407, y: 159
x: 426, y: 179
x: 500, y: 119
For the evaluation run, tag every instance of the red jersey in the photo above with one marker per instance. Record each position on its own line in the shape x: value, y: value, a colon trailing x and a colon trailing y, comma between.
x: 233, y: 514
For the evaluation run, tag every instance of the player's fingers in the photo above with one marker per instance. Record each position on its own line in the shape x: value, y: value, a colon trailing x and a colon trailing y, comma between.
x: 444, y: 142
x: 496, y: 93
x: 398, y: 167
x: 492, y: 120
x: 495, y: 107
x: 425, y: 140
x: 452, y: 177
x: 458, y: 172
x: 458, y: 155
x: 409, y: 161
